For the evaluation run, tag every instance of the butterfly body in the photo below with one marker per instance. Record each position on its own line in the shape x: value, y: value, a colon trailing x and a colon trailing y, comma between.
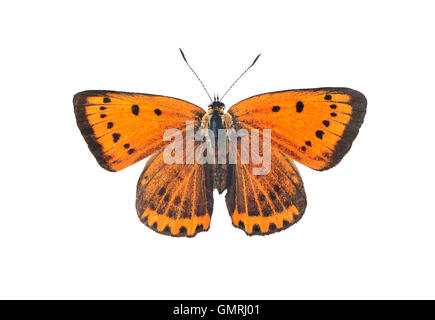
x: 215, y: 120
x: 315, y: 127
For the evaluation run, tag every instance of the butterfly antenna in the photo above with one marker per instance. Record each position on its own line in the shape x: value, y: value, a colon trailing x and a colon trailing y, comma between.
x: 184, y: 57
x: 255, y: 60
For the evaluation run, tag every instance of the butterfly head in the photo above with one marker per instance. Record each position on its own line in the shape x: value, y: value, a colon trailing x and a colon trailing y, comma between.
x: 216, y: 107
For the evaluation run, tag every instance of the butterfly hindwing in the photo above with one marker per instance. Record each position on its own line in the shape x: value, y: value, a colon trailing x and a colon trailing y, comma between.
x: 122, y: 128
x: 315, y: 127
x: 175, y: 199
x: 264, y: 204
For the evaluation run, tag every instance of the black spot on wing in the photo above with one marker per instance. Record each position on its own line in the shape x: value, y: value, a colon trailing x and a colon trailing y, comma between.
x: 296, y: 217
x: 182, y: 232
x: 135, y: 109
x: 116, y: 137
x: 167, y: 230
x: 177, y: 200
x: 299, y: 106
x: 241, y: 225
x: 162, y: 191
x: 272, y: 196
x: 172, y: 212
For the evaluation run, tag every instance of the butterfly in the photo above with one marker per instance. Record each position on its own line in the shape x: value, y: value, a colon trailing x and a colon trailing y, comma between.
x: 315, y: 127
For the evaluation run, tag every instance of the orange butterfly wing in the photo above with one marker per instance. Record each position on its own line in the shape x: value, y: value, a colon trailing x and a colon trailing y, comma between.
x: 264, y: 204
x: 315, y: 127
x: 175, y: 199
x: 122, y: 128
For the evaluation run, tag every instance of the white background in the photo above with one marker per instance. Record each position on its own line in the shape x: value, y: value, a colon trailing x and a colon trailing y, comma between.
x: 68, y: 228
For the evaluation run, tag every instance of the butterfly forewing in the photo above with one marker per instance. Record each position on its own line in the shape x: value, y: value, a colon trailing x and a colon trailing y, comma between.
x: 315, y: 127
x: 122, y: 128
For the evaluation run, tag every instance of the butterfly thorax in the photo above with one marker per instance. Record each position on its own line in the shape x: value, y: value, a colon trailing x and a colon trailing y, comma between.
x: 216, y: 119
